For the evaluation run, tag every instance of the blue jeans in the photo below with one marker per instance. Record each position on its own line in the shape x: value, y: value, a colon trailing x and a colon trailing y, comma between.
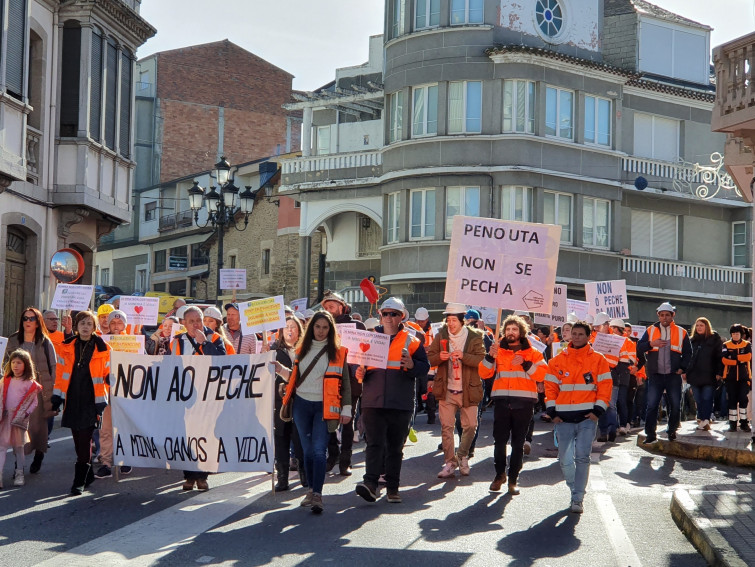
x: 704, y: 400
x: 574, y: 446
x: 657, y: 384
x: 314, y: 436
x: 609, y: 421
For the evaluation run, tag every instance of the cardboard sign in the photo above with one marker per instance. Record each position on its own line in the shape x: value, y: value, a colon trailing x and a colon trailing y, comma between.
x: 262, y: 315
x: 638, y: 331
x: 537, y: 345
x: 233, y: 278
x: 72, y: 297
x: 557, y: 315
x: 557, y: 348
x: 579, y: 308
x: 366, y: 348
x: 608, y: 344
x: 299, y: 305
x: 341, y: 326
x: 176, y: 329
x: 609, y: 297
x: 140, y: 310
x: 133, y: 344
x: 3, y: 346
x: 194, y: 413
x: 502, y: 264
x: 435, y: 327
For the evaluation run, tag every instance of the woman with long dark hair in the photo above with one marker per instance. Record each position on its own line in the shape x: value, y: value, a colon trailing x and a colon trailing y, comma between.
x: 319, y: 382
x: 33, y: 338
x: 705, y: 369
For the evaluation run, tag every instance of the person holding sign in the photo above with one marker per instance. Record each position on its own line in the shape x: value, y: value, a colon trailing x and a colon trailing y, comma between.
x: 457, y: 351
x: 578, y: 390
x: 669, y: 352
x: 517, y: 367
x: 388, y: 403
x: 81, y: 384
x: 318, y: 385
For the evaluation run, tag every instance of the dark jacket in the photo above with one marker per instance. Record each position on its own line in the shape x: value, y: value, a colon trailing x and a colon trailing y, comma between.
x: 393, y: 388
x: 706, y: 360
x: 346, y: 318
x: 679, y: 361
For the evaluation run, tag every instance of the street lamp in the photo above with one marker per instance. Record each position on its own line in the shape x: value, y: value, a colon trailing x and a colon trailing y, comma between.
x: 221, y: 205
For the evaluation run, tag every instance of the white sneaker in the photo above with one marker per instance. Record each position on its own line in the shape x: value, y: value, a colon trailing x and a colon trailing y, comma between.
x: 577, y: 508
x: 448, y: 470
x: 705, y: 425
x: 464, y: 466
x: 622, y: 431
x: 18, y: 478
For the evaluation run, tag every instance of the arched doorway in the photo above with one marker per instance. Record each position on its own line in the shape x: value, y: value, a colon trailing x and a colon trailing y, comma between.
x: 15, y: 280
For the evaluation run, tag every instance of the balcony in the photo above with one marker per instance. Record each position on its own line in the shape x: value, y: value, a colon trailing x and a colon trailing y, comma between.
x: 344, y: 169
x: 13, y: 140
x: 33, y: 141
x: 179, y: 220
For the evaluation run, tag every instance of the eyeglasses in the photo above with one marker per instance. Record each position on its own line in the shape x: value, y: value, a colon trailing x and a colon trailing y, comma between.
x: 391, y: 314
x: 32, y: 318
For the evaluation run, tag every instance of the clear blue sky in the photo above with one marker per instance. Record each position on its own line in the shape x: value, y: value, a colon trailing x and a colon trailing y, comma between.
x: 311, y: 38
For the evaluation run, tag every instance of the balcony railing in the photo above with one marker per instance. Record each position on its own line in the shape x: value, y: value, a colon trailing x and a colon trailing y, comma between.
x: 677, y: 269
x: 664, y: 169
x: 334, y: 161
x: 178, y: 220
x: 735, y: 84
x: 33, y: 141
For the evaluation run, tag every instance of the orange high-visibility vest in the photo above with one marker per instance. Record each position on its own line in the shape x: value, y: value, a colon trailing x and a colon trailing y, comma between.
x: 513, y: 380
x: 99, y: 368
x: 744, y: 356
x: 331, y: 384
x: 402, y: 340
x: 676, y: 335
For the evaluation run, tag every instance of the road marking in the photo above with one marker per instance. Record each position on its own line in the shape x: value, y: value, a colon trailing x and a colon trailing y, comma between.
x: 144, y: 542
x: 622, y: 546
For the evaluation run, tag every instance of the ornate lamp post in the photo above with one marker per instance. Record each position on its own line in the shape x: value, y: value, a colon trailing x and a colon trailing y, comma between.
x: 223, y: 203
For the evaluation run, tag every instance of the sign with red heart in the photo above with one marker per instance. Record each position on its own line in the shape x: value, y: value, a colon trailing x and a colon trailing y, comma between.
x: 140, y: 310
x: 364, y: 347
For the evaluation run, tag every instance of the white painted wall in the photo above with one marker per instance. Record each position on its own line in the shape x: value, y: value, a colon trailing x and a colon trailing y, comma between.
x: 344, y: 235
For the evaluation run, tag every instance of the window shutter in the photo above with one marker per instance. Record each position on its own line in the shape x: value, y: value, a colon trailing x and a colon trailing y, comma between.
x: 95, y: 91
x: 664, y: 236
x: 455, y: 107
x: 124, y: 141
x: 641, y: 233
x: 111, y: 93
x: 643, y: 135
x: 69, y: 82
x: 16, y: 48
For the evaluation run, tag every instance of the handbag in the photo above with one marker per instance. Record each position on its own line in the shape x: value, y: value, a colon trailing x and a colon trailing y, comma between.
x: 287, y: 409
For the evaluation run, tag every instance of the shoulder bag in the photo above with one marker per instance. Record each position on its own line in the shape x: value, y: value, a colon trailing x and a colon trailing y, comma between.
x: 286, y: 411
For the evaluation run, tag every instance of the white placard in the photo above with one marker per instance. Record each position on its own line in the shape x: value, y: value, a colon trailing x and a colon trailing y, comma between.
x: 341, y: 326
x: 435, y: 327
x: 537, y: 345
x: 72, y: 297
x: 608, y: 344
x: 366, y: 348
x: 133, y: 344
x: 487, y: 314
x: 233, y: 278
x: 140, y: 310
x: 176, y: 329
x: 556, y: 348
x: 3, y: 346
x: 609, y: 297
x: 262, y: 315
x: 502, y: 264
x: 579, y: 308
x: 299, y: 305
x: 557, y: 316
x: 194, y: 413
x: 638, y: 331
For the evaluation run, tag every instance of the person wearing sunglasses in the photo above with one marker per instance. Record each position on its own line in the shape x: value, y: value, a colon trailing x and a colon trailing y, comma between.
x: 388, y: 403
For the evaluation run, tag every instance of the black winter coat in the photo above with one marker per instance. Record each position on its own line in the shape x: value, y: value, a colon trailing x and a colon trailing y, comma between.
x: 706, y: 360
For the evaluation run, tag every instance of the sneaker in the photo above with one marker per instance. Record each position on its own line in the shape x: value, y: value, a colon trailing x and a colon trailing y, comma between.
x: 650, y: 439
x: 448, y: 470
x: 393, y: 496
x: 577, y: 507
x: 188, y: 484
x: 105, y: 472
x: 18, y: 478
x: 464, y: 466
x: 497, y: 483
x: 705, y: 425
x: 125, y: 470
x: 307, y: 500
x: 317, y: 507
x: 527, y: 447
x: 513, y: 490
x: 367, y: 492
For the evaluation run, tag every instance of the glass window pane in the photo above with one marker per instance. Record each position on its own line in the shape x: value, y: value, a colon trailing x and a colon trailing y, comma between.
x: 604, y: 122
x: 474, y: 106
x: 564, y: 217
x: 506, y: 203
x: 453, y: 206
x: 590, y: 119
x: 455, y: 107
x: 418, y: 118
x: 601, y: 223
x: 588, y: 222
x: 472, y: 201
x: 475, y: 11
x: 432, y: 110
x: 508, y: 106
x: 430, y: 213
x: 434, y: 12
x: 520, y: 105
x: 531, y: 107
x: 549, y: 208
x: 739, y: 233
x: 416, y: 214
x: 421, y: 14
x: 565, y: 111
x: 550, y: 111
x: 458, y: 9
x: 519, y: 204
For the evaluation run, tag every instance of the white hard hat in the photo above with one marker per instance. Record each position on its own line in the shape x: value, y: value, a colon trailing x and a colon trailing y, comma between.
x: 421, y: 314
x: 371, y: 323
x: 308, y: 313
x: 455, y: 309
x: 213, y: 312
x: 616, y: 323
x: 181, y: 310
x: 393, y: 303
x: 666, y: 306
x: 572, y: 317
x: 601, y: 318
x: 589, y: 319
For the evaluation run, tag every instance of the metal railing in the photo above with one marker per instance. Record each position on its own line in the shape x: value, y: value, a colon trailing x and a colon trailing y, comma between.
x: 33, y: 141
x: 657, y: 168
x: 177, y: 220
x: 334, y: 161
x: 677, y: 269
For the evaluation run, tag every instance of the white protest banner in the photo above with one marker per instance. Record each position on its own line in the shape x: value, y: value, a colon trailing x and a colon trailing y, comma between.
x: 3, y: 346
x: 537, y: 345
x: 299, y: 304
x: 233, y: 278
x: 638, y: 331
x: 262, y: 315
x: 579, y: 308
x: 557, y: 316
x: 140, y: 310
x: 133, y: 344
x: 194, y: 413
x: 609, y: 297
x: 502, y: 264
x: 366, y: 348
x: 72, y: 297
x: 608, y: 344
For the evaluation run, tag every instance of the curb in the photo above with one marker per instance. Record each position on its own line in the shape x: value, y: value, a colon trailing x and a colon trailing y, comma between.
x: 699, y: 530
x: 714, y: 453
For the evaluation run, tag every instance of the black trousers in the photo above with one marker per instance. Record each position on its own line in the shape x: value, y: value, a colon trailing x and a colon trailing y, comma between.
x: 736, y: 393
x: 510, y: 419
x: 342, y: 454
x: 82, y: 443
x: 385, y: 432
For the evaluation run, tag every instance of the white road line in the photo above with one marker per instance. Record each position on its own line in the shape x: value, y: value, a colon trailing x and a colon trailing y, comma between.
x: 624, y: 551
x: 144, y: 542
x: 49, y: 442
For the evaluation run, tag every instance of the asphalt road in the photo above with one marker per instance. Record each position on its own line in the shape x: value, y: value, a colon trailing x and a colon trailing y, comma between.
x: 145, y: 519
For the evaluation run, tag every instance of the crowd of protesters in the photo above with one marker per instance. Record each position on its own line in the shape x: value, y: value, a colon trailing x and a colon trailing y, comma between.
x: 453, y: 371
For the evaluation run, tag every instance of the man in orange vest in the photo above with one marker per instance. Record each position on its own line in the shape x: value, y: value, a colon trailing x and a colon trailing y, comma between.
x: 669, y: 352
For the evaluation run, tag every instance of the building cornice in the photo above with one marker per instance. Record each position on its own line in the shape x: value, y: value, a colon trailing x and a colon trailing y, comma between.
x: 115, y: 14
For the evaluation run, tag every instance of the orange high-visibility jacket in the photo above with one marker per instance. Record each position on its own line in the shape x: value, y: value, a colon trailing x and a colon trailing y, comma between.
x: 737, y: 358
x: 99, y: 368
x: 628, y: 354
x: 677, y: 335
x: 331, y: 384
x: 514, y: 380
x: 578, y: 382
x: 217, y: 344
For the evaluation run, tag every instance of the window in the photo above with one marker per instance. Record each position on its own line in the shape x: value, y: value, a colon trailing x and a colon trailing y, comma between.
x: 656, y: 137
x: 519, y: 106
x: 160, y: 261
x: 739, y: 244
x: 461, y: 201
x: 395, y: 116
x: 150, y: 211
x: 679, y: 52
x: 370, y: 237
x: 516, y: 203
x: 397, y: 18
x: 597, y: 121
x: 394, y: 210
x: 549, y: 16
x: 232, y: 261
x: 426, y: 14
x: 466, y: 12
x: 297, y: 204
x: 141, y: 281
x: 323, y: 140
x: 266, y: 261
x: 158, y: 287
x: 464, y: 107
x: 559, y: 110
x: 422, y: 214
x: 15, y: 47
x: 178, y: 251
x: 425, y: 111
x: 95, y: 88
x: 177, y: 287
x: 69, y: 80
x: 111, y: 94
x: 124, y: 139
x: 557, y: 209
x: 595, y: 222
x: 105, y: 276
x: 654, y: 234
x: 199, y: 255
